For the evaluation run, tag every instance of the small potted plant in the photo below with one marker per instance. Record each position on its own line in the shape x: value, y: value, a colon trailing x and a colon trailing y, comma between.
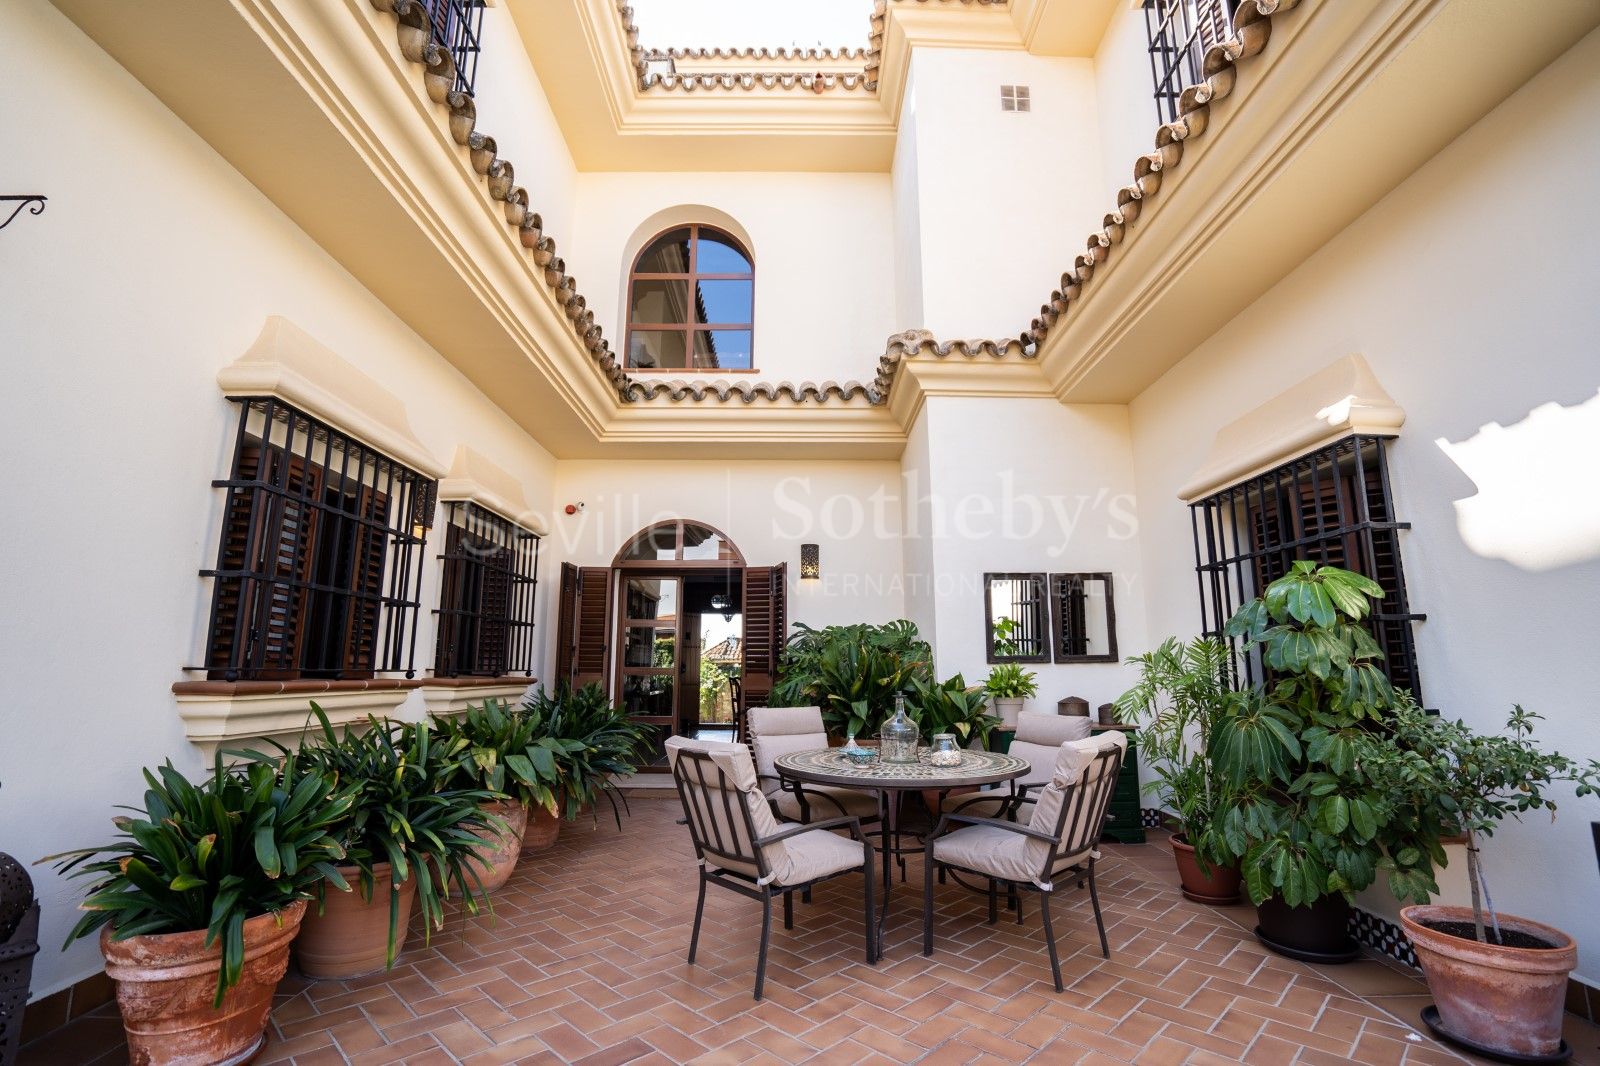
x: 1303, y: 815
x: 197, y: 900
x: 497, y: 752
x: 407, y: 836
x: 1498, y: 981
x: 1182, y: 691
x: 1009, y: 687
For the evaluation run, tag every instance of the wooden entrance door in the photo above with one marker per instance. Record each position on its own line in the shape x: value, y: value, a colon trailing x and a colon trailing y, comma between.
x: 650, y: 660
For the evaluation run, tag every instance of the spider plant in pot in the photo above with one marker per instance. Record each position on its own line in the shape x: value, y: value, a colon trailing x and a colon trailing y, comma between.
x: 498, y: 752
x: 1009, y: 686
x: 1498, y: 980
x: 197, y: 899
x: 950, y: 707
x: 1182, y: 691
x: 407, y: 836
x: 1305, y: 817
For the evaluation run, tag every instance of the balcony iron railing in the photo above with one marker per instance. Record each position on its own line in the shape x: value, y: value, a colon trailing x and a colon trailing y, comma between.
x: 1180, y: 31
x: 458, y: 26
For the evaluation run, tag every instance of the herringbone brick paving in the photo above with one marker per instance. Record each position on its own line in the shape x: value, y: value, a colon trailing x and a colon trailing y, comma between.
x: 583, y: 962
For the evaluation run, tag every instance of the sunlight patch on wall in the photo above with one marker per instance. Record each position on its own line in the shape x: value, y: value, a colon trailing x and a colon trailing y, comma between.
x: 1538, y: 500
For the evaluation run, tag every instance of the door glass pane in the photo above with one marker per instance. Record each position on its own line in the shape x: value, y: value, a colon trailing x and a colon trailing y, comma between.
x: 667, y: 301
x: 667, y: 254
x: 723, y: 302
x: 645, y: 646
x: 652, y: 598
x: 719, y: 256
x: 722, y: 349
x: 701, y: 543
x: 656, y: 349
x: 648, y: 695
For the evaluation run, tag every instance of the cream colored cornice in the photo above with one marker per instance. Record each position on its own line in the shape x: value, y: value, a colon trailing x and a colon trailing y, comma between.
x: 287, y: 363
x: 1341, y: 399
x: 477, y: 479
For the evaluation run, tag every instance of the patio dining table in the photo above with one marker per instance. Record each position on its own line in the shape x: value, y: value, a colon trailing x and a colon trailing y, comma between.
x: 889, y: 780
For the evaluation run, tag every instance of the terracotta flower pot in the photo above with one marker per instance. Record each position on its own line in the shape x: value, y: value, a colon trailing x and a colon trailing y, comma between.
x: 496, y: 858
x: 166, y: 982
x: 351, y: 935
x: 542, y: 830
x: 1497, y: 998
x: 1219, y: 887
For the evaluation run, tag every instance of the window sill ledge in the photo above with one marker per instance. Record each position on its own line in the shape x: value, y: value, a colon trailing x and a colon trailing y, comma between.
x: 219, y: 714
x: 448, y: 696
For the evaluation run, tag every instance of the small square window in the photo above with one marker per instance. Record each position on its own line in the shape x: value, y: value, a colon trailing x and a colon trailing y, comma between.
x: 1014, y: 98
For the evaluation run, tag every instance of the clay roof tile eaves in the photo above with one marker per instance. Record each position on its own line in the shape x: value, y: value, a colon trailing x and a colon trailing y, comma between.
x: 1252, y: 29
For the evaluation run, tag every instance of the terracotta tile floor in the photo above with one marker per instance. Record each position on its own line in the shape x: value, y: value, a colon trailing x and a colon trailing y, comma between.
x: 585, y: 963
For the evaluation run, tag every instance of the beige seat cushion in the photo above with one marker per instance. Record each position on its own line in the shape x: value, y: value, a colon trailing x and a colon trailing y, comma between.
x: 819, y: 853
x: 855, y: 802
x: 996, y: 852
x: 1038, y: 740
x: 988, y: 804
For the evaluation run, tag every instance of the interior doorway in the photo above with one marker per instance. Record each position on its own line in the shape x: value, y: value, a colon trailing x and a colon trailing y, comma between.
x: 679, y: 630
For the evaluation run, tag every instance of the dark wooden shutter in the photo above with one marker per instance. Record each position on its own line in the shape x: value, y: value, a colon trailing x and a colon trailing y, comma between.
x: 765, y: 626
x: 265, y: 611
x: 366, y: 586
x: 583, y: 625
x: 494, y: 610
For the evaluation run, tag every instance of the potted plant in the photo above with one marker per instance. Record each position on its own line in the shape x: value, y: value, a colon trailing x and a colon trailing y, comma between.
x: 406, y: 836
x: 197, y: 899
x: 1182, y: 691
x: 1010, y: 686
x: 498, y: 753
x: 1304, y: 816
x: 950, y: 707
x: 590, y: 741
x: 851, y: 672
x: 1498, y: 981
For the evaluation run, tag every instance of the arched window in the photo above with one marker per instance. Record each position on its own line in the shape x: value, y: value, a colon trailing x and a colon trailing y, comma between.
x: 691, y: 294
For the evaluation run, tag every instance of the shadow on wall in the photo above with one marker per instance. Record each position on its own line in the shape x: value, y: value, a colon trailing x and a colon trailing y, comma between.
x: 1535, y: 507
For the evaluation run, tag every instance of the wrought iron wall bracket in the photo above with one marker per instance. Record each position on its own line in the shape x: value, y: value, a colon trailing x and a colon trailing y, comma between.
x: 36, y: 202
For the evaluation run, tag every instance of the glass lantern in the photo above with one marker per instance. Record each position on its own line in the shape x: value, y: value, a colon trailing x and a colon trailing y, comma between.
x: 898, y: 738
x: 944, y: 751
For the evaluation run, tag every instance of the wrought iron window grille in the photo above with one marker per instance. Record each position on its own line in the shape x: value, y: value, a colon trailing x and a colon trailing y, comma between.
x: 1332, y: 506
x: 1179, y: 32
x: 319, y: 565
x: 458, y: 26
x: 488, y: 595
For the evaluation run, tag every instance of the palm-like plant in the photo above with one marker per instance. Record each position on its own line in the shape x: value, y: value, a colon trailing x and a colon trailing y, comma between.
x: 592, y: 741
x: 405, y: 812
x: 245, y: 842
x: 1182, y: 692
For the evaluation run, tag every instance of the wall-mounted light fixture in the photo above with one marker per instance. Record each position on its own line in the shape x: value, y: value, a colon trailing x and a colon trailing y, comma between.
x: 810, y: 562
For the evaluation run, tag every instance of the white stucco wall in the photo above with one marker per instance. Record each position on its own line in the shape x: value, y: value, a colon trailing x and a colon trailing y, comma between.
x: 1024, y: 485
x: 1469, y: 291
x: 112, y: 427
x: 1004, y: 197
x: 823, y: 249
x: 1124, y: 107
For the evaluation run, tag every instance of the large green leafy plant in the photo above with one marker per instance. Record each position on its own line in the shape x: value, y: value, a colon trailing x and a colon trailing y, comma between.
x: 498, y: 750
x: 852, y: 672
x: 1182, y: 692
x: 406, y: 812
x: 245, y: 842
x: 592, y: 740
x: 1011, y: 681
x: 951, y: 707
x: 1445, y: 779
x: 1306, y: 815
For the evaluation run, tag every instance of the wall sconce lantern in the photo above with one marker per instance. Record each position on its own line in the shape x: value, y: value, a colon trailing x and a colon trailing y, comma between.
x: 810, y: 562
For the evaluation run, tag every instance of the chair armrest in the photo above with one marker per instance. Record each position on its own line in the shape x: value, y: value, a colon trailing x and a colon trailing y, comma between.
x: 1010, y: 827
x: 850, y: 821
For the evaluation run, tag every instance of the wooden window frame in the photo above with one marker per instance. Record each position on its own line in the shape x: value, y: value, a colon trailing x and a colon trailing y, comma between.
x: 488, y: 595
x: 1059, y: 584
x: 689, y: 328
x: 1042, y: 617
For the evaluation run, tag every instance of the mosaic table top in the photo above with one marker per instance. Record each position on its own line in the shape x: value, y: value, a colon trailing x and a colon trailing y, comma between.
x: 830, y: 766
